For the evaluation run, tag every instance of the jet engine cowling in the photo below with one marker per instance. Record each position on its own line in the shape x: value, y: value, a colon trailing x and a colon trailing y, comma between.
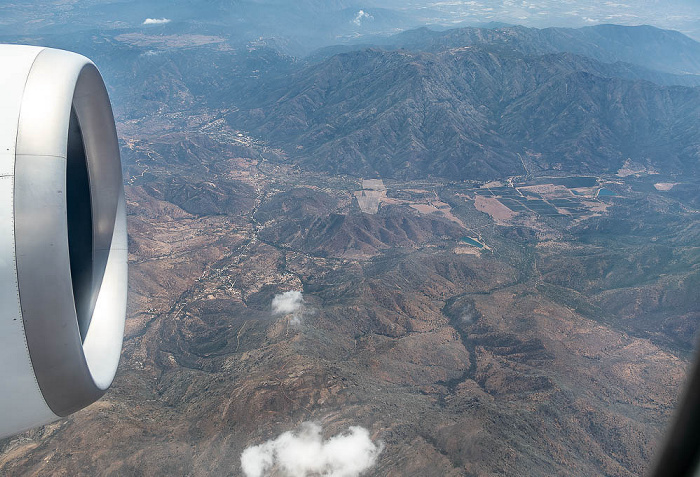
x: 63, y: 243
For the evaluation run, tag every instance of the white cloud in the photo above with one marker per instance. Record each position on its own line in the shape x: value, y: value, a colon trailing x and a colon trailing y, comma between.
x: 289, y: 303
x: 156, y: 21
x: 362, y: 15
x: 305, y: 453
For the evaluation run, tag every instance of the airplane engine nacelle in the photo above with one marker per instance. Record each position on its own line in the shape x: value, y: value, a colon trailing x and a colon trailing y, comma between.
x: 63, y: 246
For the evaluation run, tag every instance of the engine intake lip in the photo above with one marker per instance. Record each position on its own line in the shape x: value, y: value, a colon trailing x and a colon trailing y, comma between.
x: 73, y: 325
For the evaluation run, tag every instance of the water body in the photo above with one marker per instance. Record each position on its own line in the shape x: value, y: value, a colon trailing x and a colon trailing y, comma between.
x: 571, y: 182
x: 472, y: 242
x: 605, y: 193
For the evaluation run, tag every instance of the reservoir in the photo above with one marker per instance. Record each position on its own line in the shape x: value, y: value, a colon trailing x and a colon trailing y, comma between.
x: 574, y: 182
x: 472, y: 242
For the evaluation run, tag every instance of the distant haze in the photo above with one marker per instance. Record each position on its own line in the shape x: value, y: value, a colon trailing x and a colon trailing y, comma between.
x: 310, y: 24
x: 681, y: 15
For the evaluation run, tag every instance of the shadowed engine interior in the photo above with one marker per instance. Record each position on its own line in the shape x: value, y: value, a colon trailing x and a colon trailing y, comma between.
x: 79, y: 211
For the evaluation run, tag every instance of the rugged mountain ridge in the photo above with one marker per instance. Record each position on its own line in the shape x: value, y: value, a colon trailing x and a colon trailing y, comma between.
x: 474, y: 113
x: 663, y: 50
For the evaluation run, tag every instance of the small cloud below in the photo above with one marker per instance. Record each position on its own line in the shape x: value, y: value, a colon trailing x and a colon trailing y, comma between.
x: 156, y: 21
x: 304, y: 453
x: 289, y: 303
x: 361, y: 15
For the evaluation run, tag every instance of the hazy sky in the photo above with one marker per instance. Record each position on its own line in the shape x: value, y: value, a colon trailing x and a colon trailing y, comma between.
x: 347, y: 17
x: 682, y: 15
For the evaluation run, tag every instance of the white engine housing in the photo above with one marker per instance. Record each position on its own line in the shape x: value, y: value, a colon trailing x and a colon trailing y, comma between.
x: 63, y: 243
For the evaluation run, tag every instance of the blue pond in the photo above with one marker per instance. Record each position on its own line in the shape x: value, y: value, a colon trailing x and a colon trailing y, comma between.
x: 472, y: 242
x: 606, y: 193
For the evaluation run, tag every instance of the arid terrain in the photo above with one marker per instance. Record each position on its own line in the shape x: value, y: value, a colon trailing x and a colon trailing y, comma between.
x: 495, y: 360
x: 535, y: 323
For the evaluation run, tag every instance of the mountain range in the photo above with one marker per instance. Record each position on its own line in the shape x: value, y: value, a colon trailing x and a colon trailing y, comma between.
x: 487, y: 103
